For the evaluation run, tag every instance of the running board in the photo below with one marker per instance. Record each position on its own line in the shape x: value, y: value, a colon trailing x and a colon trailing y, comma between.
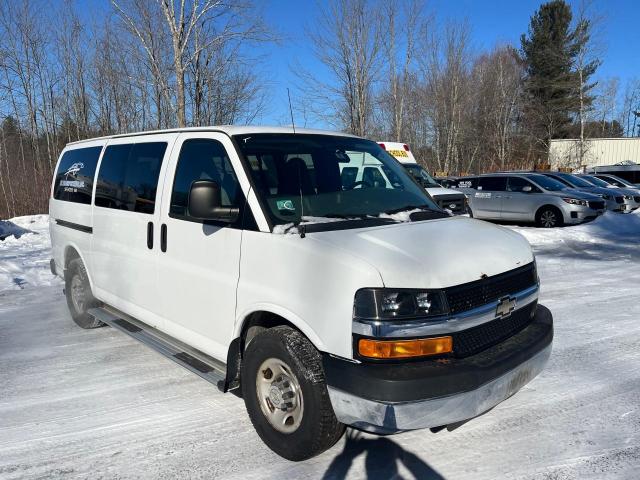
x: 193, y: 360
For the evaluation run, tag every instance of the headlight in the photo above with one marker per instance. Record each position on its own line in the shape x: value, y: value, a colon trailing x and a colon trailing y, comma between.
x: 628, y: 197
x: 576, y: 201
x: 383, y: 303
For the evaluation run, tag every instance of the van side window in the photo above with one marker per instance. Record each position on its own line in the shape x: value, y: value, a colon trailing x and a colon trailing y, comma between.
x: 516, y: 184
x: 74, y: 178
x: 492, y: 184
x: 202, y: 159
x: 128, y: 176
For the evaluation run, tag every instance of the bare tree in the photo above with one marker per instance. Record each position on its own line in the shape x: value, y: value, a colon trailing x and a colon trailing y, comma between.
x: 190, y: 28
x: 445, y: 63
x: 631, y: 108
x: 586, y: 62
x: 399, y: 50
x: 347, y: 40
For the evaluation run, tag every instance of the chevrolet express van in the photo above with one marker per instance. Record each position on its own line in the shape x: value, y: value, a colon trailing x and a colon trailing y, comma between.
x: 239, y: 253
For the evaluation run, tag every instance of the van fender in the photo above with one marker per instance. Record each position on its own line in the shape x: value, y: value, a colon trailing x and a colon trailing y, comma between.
x: 288, y: 315
x: 234, y: 352
x: 73, y: 246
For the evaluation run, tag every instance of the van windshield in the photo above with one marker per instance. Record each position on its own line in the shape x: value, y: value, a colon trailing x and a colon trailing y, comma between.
x: 574, y: 181
x: 548, y: 183
x: 596, y: 181
x: 319, y: 178
x: 421, y: 175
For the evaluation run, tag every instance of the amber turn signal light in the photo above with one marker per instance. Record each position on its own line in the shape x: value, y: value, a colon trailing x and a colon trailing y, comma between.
x: 404, y: 348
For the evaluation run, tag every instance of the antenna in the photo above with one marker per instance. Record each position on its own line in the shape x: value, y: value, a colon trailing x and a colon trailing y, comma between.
x: 291, y: 111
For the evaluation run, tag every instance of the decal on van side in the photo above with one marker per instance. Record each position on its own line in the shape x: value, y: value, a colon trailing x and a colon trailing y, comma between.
x: 483, y: 195
x: 74, y: 177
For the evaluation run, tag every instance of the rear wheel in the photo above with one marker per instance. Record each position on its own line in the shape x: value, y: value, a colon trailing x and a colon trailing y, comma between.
x: 79, y: 296
x: 286, y: 396
x: 549, y: 217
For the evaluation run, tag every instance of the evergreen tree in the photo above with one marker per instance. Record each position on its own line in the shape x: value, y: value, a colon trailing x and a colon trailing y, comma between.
x: 556, y: 77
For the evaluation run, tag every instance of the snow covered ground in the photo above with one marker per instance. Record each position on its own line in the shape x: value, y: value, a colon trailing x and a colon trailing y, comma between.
x: 95, y: 404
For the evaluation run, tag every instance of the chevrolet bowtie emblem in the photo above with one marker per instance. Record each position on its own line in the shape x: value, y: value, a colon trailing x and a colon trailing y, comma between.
x: 506, y: 305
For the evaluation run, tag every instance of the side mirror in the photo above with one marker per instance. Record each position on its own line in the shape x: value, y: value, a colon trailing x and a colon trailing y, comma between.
x: 205, y: 203
x: 527, y: 189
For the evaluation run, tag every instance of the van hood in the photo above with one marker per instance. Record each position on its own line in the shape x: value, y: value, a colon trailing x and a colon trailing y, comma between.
x: 600, y: 191
x: 439, y: 191
x: 574, y: 193
x: 433, y: 253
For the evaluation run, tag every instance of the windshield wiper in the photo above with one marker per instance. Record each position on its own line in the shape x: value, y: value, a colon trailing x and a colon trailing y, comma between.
x: 412, y: 207
x: 346, y: 216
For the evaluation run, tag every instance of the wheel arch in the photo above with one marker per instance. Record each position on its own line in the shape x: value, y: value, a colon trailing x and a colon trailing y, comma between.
x: 549, y: 206
x: 267, y: 316
x: 250, y: 324
x: 71, y: 252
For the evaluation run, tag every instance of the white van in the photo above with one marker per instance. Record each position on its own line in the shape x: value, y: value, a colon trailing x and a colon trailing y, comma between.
x: 453, y: 201
x: 248, y: 256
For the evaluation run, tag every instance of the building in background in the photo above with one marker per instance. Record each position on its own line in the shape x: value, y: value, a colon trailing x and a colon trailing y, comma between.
x: 597, y: 152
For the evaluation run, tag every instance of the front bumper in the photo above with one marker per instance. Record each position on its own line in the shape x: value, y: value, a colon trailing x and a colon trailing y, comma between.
x: 574, y: 214
x: 391, y: 398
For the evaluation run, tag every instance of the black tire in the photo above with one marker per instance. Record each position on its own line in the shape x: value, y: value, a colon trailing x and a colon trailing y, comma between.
x: 549, y: 217
x: 317, y: 427
x: 79, y: 296
x: 469, y: 211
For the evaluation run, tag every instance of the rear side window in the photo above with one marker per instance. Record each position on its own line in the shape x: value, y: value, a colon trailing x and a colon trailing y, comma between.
x: 203, y: 159
x: 516, y: 184
x: 74, y: 178
x: 128, y: 176
x: 492, y: 184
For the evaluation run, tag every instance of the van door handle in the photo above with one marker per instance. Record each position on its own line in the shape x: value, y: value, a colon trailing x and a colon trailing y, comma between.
x: 163, y: 237
x: 150, y: 235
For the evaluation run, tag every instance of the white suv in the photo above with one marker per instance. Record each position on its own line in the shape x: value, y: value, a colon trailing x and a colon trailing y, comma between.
x: 248, y: 256
x: 448, y: 199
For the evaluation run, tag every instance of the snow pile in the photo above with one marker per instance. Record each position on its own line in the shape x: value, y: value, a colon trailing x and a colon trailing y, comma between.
x: 404, y: 216
x: 609, y: 228
x: 25, y: 253
x: 8, y: 229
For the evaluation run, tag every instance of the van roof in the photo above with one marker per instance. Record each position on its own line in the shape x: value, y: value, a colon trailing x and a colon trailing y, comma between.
x: 227, y: 129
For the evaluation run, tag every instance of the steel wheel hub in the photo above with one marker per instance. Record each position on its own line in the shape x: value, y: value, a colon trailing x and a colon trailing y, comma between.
x: 279, y: 395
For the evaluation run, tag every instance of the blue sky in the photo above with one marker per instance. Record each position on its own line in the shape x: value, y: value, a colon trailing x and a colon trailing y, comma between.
x: 492, y: 22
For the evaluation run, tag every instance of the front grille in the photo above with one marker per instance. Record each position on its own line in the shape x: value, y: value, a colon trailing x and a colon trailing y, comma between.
x: 455, y: 203
x: 619, y: 200
x: 597, y: 205
x: 480, y: 292
x: 474, y: 340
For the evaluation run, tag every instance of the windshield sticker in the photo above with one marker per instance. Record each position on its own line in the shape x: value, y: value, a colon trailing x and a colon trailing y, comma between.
x: 285, y: 205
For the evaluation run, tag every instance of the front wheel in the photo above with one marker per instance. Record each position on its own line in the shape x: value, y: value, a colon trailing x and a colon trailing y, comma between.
x: 286, y: 395
x: 549, y: 217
